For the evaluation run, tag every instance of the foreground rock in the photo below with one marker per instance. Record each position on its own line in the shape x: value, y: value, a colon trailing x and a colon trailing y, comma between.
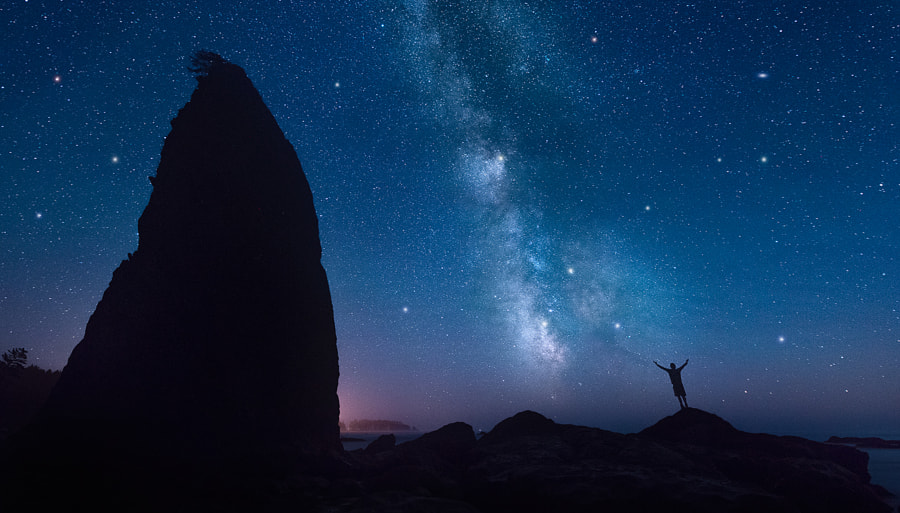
x: 214, y: 346
x: 693, y: 461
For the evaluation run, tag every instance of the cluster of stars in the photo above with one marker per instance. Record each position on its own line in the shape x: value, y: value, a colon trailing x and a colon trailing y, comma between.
x: 490, y: 153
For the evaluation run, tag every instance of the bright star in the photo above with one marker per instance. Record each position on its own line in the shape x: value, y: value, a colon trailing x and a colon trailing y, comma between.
x: 570, y: 270
x: 764, y: 159
x: 115, y: 159
x: 38, y: 215
x: 762, y: 74
x: 405, y: 309
x: 57, y: 79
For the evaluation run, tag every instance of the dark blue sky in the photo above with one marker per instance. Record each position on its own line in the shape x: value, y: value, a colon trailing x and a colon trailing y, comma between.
x: 522, y: 204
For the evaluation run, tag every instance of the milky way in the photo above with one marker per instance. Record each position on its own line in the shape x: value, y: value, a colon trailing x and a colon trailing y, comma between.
x: 509, y: 248
x: 522, y: 204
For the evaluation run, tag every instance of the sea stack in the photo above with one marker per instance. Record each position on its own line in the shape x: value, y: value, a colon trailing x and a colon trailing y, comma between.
x: 217, y: 335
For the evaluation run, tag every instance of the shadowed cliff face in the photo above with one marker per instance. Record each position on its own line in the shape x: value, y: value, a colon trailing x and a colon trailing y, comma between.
x: 219, y: 329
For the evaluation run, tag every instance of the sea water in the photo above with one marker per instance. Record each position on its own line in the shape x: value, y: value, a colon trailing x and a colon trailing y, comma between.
x: 884, y: 466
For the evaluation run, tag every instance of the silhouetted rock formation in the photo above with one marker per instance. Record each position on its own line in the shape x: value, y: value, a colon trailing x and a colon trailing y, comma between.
x: 381, y: 444
x: 868, y: 442
x: 215, y: 340
x: 693, y: 461
x: 821, y: 476
x: 697, y: 427
x: 375, y: 426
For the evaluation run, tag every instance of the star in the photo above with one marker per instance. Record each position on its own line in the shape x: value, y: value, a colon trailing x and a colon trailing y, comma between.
x: 505, y: 169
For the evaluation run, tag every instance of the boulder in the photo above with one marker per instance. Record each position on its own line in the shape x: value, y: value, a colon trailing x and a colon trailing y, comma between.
x: 381, y: 444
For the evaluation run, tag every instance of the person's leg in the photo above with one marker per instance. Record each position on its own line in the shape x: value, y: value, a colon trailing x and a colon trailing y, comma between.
x: 685, y: 401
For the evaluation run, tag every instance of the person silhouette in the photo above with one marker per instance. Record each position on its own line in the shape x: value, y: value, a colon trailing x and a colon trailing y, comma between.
x: 677, y: 385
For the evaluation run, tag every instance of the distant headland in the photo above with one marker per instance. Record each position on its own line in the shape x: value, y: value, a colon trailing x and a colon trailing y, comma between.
x: 865, y: 442
x: 375, y: 426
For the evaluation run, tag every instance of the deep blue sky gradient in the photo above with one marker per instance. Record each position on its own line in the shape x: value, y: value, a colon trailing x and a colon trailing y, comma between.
x: 522, y: 204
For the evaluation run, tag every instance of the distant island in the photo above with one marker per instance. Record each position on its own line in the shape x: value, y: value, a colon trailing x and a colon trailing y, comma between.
x: 869, y: 442
x: 368, y: 425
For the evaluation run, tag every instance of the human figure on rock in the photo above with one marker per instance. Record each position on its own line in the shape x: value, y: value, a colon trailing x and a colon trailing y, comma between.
x: 677, y: 385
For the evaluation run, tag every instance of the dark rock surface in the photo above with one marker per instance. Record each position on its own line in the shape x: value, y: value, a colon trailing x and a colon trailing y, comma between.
x: 381, y: 444
x: 692, y: 461
x: 818, y: 476
x: 706, y: 430
x: 214, y: 343
x: 22, y: 393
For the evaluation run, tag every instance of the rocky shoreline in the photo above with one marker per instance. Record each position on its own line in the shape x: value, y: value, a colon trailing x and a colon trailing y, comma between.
x: 691, y: 461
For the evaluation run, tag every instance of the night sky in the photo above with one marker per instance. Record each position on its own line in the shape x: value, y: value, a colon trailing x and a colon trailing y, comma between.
x: 522, y: 204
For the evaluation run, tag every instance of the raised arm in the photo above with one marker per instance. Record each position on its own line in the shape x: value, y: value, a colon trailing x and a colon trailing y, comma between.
x: 685, y: 364
x: 660, y: 366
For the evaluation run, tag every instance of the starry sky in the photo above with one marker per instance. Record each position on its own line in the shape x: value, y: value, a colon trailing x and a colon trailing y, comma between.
x: 522, y: 204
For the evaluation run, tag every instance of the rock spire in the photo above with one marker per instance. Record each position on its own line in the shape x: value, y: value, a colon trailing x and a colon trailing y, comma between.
x: 218, y: 332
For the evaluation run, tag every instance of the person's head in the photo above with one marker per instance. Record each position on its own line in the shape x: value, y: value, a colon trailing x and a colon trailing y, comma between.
x: 672, y: 365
